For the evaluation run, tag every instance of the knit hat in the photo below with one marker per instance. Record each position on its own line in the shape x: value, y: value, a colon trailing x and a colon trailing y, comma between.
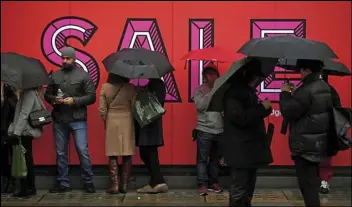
x: 68, y: 52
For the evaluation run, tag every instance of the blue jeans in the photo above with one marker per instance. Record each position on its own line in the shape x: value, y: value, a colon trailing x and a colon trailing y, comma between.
x: 207, y: 158
x: 62, y: 133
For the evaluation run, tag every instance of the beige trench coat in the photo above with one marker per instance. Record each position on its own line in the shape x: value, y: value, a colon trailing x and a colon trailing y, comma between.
x: 119, y: 122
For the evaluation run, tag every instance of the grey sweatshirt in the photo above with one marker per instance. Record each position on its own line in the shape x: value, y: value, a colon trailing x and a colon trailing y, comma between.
x: 210, y: 122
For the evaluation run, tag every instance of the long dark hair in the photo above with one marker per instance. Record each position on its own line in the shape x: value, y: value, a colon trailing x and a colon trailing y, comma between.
x: 113, y: 79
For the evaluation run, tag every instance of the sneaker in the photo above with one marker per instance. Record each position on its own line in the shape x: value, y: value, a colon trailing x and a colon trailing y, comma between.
x: 89, y: 187
x: 324, y: 187
x: 60, y: 189
x: 215, y: 188
x: 202, y: 190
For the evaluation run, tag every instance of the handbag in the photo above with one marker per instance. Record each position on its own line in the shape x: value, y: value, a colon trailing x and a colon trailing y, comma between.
x: 39, y: 118
x: 18, y: 165
x: 147, y: 108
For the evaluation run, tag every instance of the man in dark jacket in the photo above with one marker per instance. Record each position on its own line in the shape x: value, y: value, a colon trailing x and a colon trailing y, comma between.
x: 244, y: 143
x: 70, y: 94
x: 308, y: 110
x: 9, y: 100
x: 325, y: 169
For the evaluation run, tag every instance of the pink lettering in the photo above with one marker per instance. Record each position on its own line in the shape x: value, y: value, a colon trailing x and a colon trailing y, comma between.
x: 55, y: 35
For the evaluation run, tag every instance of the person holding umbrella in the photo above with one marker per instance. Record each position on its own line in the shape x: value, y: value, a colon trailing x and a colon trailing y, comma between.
x: 325, y: 169
x: 115, y: 108
x: 244, y: 143
x: 27, y: 76
x: 149, y: 139
x: 29, y: 100
x: 208, y: 132
x: 308, y: 111
x: 8, y: 100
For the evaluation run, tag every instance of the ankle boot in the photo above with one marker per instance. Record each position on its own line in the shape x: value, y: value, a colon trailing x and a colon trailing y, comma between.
x: 126, y: 172
x: 9, y: 185
x: 113, y: 177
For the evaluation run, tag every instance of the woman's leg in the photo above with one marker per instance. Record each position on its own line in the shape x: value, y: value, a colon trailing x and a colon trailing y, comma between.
x: 326, y: 172
x: 126, y: 172
x: 156, y: 176
x: 144, y: 155
x: 27, y: 185
x: 113, y: 170
x: 6, y: 156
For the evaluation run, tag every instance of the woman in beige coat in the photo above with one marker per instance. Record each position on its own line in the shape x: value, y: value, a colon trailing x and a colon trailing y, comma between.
x: 115, y: 108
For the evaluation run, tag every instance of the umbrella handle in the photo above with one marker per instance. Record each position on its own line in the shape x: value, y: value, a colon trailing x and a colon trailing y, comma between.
x: 185, y: 67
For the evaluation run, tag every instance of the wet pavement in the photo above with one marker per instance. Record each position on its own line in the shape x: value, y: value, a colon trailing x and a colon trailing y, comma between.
x: 263, y: 197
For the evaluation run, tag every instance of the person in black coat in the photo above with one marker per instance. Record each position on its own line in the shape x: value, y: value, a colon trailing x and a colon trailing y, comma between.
x: 326, y: 170
x: 9, y: 100
x: 149, y: 138
x: 308, y: 111
x: 244, y: 144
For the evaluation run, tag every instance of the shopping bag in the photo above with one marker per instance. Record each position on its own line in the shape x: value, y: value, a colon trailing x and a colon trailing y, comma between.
x: 147, y: 108
x: 18, y: 165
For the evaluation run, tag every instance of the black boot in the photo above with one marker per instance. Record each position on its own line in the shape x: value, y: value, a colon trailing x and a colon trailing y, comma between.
x: 9, y: 185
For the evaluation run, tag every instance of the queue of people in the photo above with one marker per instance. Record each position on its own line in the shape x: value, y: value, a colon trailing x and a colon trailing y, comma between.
x: 236, y: 133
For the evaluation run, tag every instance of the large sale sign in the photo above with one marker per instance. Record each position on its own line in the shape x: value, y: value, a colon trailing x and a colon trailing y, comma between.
x: 172, y: 28
x: 270, y: 87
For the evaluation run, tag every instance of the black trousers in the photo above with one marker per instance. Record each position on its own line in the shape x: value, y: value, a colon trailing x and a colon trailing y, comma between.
x: 28, y: 183
x: 6, y: 156
x: 242, y: 186
x: 308, y: 180
x: 150, y: 157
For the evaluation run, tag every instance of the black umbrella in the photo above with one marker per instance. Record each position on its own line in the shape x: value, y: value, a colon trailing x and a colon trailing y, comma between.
x: 331, y: 67
x: 221, y: 84
x: 25, y: 72
x: 138, y: 63
x: 10, y: 76
x: 287, y: 47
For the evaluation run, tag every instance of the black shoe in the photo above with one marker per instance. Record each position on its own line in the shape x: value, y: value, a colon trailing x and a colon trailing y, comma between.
x: 60, y: 189
x: 25, y: 193
x: 89, y: 187
x: 9, y: 185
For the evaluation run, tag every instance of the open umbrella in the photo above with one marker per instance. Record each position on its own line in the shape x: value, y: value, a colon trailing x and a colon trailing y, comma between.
x: 22, y: 71
x: 221, y: 84
x: 138, y: 63
x: 331, y: 67
x: 215, y: 54
x: 11, y: 77
x: 287, y: 47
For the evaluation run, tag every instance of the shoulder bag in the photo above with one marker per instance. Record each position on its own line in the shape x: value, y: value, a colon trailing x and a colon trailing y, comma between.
x: 39, y: 118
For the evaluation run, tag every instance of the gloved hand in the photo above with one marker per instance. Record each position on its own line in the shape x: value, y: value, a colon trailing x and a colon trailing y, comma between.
x: 13, y: 139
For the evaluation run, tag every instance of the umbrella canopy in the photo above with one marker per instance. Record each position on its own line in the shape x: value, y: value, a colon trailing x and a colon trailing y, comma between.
x: 138, y: 63
x: 10, y: 76
x: 23, y: 72
x: 221, y: 84
x: 215, y: 54
x: 331, y: 67
x: 287, y: 47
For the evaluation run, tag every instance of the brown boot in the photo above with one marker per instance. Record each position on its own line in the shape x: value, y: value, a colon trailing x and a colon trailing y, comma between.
x: 113, y: 177
x: 126, y: 172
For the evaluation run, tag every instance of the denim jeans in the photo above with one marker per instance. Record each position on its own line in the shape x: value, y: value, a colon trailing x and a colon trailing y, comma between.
x: 62, y: 133
x: 207, y: 158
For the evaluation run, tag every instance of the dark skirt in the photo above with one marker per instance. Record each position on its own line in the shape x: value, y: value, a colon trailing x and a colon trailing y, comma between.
x: 150, y: 135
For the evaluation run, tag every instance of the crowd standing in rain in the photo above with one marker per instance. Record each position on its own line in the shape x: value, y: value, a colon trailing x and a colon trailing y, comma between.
x: 230, y: 128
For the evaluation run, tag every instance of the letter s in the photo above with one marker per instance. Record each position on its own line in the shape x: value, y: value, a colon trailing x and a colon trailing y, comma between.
x: 55, y: 35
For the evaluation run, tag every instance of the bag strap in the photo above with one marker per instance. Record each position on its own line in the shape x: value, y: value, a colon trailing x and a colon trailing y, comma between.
x: 117, y: 92
x: 41, y: 101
